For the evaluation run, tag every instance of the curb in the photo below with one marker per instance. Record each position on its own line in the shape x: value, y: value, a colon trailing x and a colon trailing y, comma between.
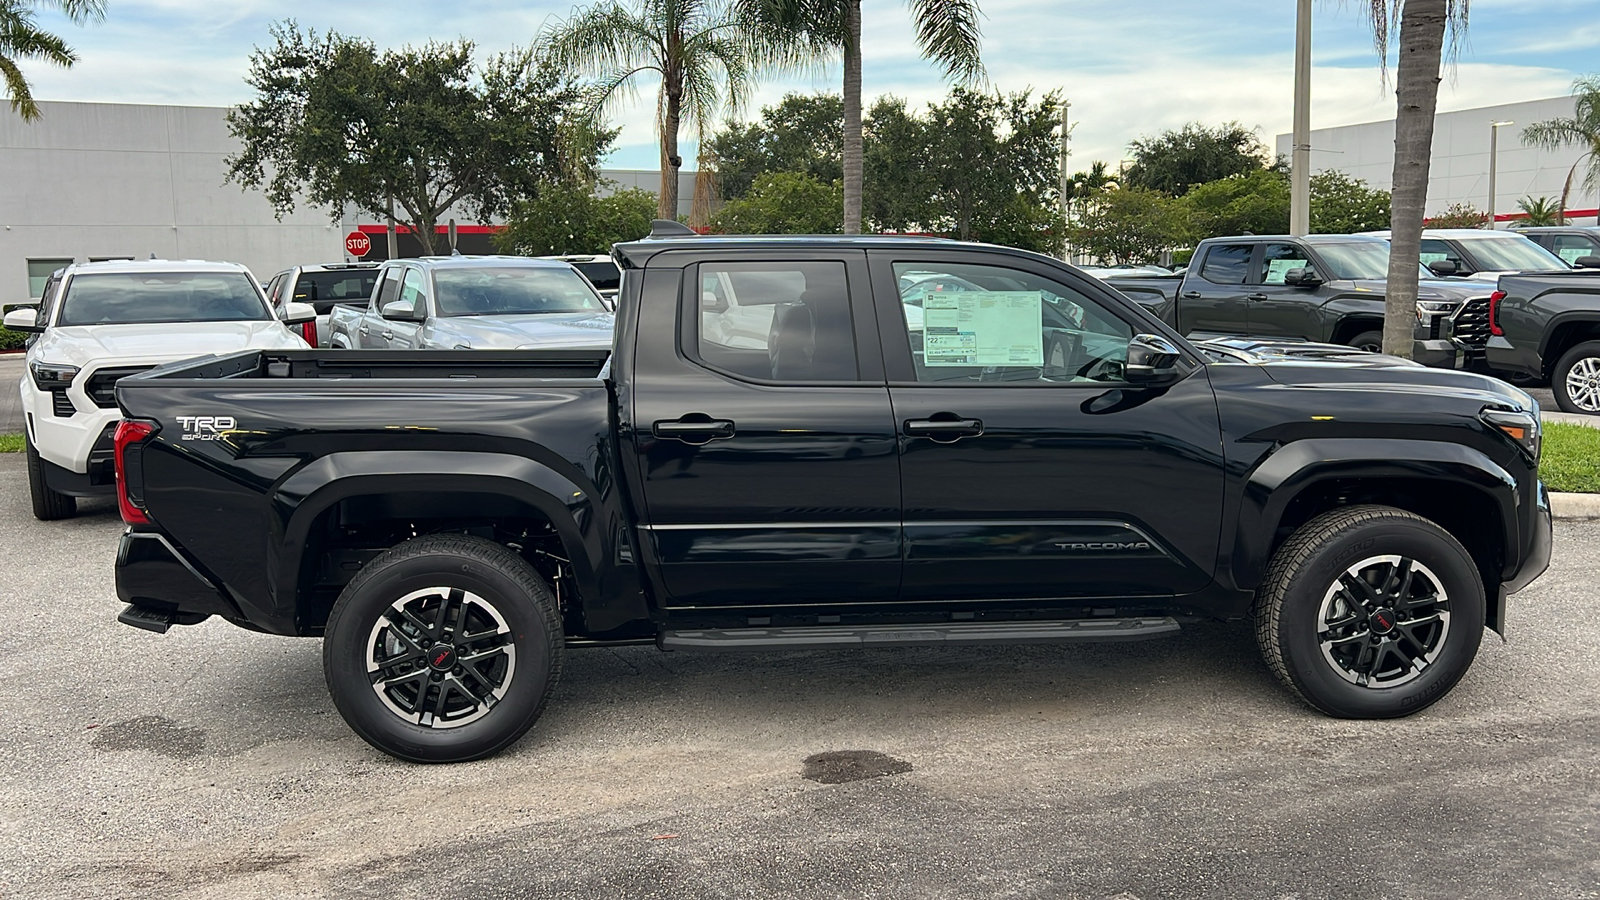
x: 1570, y: 419
x: 1575, y: 506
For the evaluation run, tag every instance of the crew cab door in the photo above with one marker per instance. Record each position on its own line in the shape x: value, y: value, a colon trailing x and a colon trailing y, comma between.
x: 1029, y: 468
x: 1284, y: 310
x: 402, y: 333
x: 371, y: 326
x: 762, y: 432
x: 1212, y: 298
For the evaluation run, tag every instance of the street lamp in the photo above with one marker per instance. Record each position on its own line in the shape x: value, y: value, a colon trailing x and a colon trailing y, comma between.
x: 1494, y: 148
x: 1300, y: 153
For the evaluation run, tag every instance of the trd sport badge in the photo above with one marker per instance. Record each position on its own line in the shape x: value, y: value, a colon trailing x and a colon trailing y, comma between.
x: 205, y: 428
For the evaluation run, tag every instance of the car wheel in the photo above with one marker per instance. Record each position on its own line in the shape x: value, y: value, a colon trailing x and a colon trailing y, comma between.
x: 443, y: 649
x: 1370, y: 341
x: 1370, y: 612
x: 48, y: 505
x: 1576, y: 380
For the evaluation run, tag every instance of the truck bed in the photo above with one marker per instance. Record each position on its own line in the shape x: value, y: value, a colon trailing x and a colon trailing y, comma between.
x: 584, y: 364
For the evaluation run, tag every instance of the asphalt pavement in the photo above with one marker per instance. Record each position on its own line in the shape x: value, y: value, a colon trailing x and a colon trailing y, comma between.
x: 209, y: 763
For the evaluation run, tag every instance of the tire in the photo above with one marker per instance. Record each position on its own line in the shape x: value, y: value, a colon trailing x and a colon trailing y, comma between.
x: 1576, y: 380
x: 48, y: 505
x: 1370, y: 341
x: 1331, y: 626
x: 428, y: 712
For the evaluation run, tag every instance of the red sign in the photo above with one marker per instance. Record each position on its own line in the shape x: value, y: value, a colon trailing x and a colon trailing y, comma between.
x: 357, y: 244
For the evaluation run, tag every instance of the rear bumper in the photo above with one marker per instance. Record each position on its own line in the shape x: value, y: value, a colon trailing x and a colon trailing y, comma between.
x: 152, y: 573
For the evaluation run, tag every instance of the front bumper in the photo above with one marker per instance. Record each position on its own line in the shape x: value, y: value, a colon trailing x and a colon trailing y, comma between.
x: 1536, y: 546
x: 153, y: 574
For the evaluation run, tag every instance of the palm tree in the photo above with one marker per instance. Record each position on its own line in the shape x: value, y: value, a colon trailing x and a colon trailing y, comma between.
x: 1582, y: 130
x: 1423, y: 25
x: 947, y: 31
x: 702, y: 50
x: 21, y: 38
x: 1541, y: 211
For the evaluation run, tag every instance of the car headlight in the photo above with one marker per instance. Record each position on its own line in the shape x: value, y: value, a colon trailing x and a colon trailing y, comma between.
x: 49, y: 377
x: 1426, y: 308
x: 1519, y: 426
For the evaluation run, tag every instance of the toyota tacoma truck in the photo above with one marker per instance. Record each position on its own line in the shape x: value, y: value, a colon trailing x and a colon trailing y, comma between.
x: 1547, y: 327
x: 827, y: 470
x: 1321, y: 287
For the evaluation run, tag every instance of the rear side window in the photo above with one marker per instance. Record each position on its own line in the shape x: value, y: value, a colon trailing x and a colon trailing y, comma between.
x: 777, y: 321
x: 1227, y: 263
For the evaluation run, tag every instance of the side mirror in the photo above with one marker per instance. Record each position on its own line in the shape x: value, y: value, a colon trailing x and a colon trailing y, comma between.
x: 1306, y: 278
x: 295, y: 313
x: 400, y: 311
x: 1152, y: 361
x: 1587, y: 262
x: 1443, y: 268
x: 25, y: 319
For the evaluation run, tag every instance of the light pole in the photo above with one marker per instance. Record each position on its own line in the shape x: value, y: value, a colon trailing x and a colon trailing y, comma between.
x: 1066, y: 178
x: 1494, y: 149
x: 1300, y: 158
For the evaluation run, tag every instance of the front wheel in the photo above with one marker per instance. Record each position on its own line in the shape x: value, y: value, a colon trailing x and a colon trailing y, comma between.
x: 1576, y: 380
x: 48, y: 505
x: 1370, y: 341
x: 443, y: 649
x: 1370, y: 612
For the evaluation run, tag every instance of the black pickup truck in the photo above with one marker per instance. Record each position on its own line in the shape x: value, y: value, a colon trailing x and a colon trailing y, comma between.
x: 1321, y: 287
x: 782, y: 452
x: 1547, y: 327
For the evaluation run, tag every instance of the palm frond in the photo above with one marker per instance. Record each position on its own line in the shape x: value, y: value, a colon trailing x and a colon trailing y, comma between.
x: 22, y: 102
x: 601, y: 38
x: 1384, y: 17
x: 949, y: 34
x: 81, y: 11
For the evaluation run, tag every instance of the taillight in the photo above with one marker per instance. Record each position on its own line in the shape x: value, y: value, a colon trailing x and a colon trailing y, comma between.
x: 1494, y: 312
x: 128, y: 445
x: 308, y: 330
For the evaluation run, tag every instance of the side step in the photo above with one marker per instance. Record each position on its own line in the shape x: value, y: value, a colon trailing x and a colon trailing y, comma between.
x: 144, y: 617
x: 830, y: 637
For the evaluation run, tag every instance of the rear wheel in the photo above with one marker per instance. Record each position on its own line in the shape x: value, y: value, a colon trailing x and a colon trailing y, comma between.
x: 48, y: 505
x: 1369, y: 612
x: 443, y: 649
x: 1576, y: 379
x: 1370, y: 341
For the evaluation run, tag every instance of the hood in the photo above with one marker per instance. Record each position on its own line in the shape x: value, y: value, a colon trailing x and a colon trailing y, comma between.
x: 552, y: 331
x: 81, y: 345
x: 1429, y: 288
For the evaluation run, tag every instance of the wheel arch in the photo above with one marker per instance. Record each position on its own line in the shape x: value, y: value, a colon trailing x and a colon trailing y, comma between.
x: 1564, y: 333
x: 1351, y: 324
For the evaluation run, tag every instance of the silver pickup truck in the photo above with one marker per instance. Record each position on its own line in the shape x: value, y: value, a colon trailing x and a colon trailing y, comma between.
x: 475, y: 303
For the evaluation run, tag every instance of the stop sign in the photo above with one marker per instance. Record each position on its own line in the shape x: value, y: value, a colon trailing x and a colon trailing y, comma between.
x: 357, y: 244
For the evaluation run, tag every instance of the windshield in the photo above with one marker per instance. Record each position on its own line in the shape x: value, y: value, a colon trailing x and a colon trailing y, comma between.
x: 1356, y: 260
x: 1511, y: 254
x: 152, y: 297
x: 513, y: 291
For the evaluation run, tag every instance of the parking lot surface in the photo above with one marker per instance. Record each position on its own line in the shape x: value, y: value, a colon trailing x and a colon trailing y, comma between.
x: 210, y: 763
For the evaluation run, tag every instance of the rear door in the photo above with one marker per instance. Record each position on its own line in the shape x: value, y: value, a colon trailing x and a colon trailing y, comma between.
x: 1212, y: 300
x: 1029, y: 468
x: 762, y: 431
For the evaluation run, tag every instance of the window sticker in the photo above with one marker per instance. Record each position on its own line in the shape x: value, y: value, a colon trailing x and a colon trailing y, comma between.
x: 1430, y: 258
x: 1572, y: 254
x: 983, y: 328
x: 1277, y: 268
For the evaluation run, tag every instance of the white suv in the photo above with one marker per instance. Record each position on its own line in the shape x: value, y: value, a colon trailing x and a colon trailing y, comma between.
x: 98, y: 322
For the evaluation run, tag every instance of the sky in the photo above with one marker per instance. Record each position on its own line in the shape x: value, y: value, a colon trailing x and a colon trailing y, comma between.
x: 1129, y: 68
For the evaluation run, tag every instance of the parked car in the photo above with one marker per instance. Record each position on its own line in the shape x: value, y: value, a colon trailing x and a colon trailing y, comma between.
x: 323, y: 285
x: 600, y: 269
x: 475, y: 303
x: 1322, y: 287
x: 452, y: 524
x: 1573, y: 243
x: 1481, y: 254
x: 99, y: 322
x: 1547, y: 327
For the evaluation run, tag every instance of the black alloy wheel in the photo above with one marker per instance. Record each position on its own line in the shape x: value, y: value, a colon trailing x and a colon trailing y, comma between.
x: 1368, y: 341
x: 1383, y: 621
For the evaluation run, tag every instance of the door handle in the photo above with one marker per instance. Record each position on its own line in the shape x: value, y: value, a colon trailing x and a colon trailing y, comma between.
x: 363, y: 330
x: 944, y: 430
x: 1257, y: 296
x: 694, y: 428
x: 1191, y: 295
x: 387, y: 335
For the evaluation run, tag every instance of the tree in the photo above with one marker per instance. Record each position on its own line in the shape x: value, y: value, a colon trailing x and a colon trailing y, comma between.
x: 1256, y: 202
x: 1342, y: 204
x: 1175, y: 161
x: 898, y: 187
x: 783, y: 203
x: 336, y: 123
x: 947, y: 33
x: 1011, y: 197
x: 1130, y: 225
x: 702, y: 50
x: 564, y: 217
x: 21, y: 38
x: 802, y: 133
x: 1582, y: 131
x: 1460, y: 215
x: 1541, y: 211
x: 1423, y: 24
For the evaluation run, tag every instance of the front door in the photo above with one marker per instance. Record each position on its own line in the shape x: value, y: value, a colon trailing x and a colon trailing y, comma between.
x: 401, y: 334
x: 763, y: 435
x: 1029, y: 468
x: 1283, y: 310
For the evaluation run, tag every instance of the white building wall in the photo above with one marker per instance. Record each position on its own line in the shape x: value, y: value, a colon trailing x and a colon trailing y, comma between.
x: 110, y: 179
x: 1460, y: 169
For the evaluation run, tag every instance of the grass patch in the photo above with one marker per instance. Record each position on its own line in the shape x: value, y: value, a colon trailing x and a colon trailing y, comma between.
x: 1570, y: 459
x: 10, y: 443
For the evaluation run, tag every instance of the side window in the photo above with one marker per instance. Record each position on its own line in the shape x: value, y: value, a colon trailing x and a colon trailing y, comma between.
x: 1572, y: 246
x: 1279, y: 259
x: 47, y: 303
x: 1227, y: 263
x: 977, y: 323
x: 412, y: 292
x: 274, y: 287
x: 779, y: 321
x: 1434, y: 250
x: 389, y: 287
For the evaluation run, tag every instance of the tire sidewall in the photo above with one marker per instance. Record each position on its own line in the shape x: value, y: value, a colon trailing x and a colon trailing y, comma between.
x: 1558, y: 379
x: 1315, y: 676
x: 48, y: 505
x: 345, y: 657
x: 1357, y: 340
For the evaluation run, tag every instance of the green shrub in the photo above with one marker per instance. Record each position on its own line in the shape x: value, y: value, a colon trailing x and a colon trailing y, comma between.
x: 11, y: 340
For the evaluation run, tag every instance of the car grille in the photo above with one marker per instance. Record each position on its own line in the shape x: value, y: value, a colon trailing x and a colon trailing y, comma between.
x: 102, y: 385
x: 61, y: 404
x: 1472, y: 323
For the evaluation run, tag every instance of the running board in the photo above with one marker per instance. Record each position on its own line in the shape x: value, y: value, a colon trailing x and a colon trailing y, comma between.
x: 144, y: 617
x: 829, y: 637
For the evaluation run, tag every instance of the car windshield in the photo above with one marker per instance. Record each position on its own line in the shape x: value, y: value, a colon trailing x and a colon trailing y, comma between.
x: 136, y: 298
x: 1511, y: 254
x: 513, y: 291
x: 1355, y: 260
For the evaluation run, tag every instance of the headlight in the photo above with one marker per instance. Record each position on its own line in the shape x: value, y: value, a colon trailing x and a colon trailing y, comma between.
x: 1427, y: 308
x: 51, y: 377
x: 1519, y: 426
